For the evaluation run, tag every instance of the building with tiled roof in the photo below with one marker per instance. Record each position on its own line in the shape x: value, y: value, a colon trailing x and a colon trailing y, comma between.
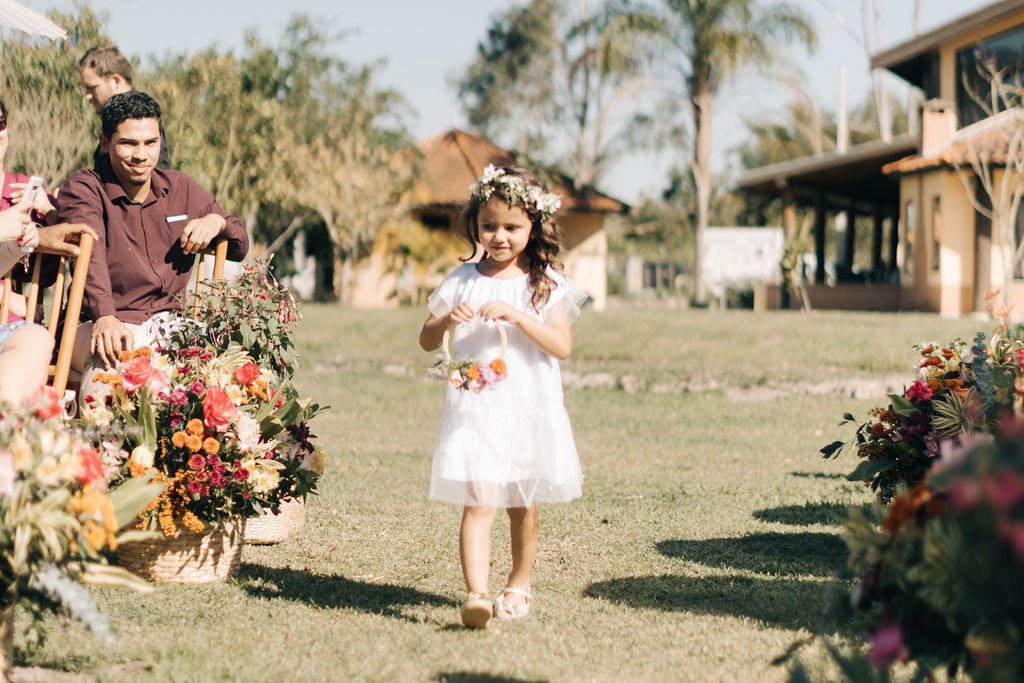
x: 938, y: 252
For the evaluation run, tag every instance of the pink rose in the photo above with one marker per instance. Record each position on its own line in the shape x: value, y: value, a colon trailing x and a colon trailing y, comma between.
x: 247, y: 373
x: 919, y: 391
x: 92, y: 467
x: 45, y: 402
x: 136, y: 373
x: 218, y: 410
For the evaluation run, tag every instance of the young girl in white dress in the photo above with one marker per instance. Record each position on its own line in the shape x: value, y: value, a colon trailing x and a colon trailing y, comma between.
x: 506, y: 441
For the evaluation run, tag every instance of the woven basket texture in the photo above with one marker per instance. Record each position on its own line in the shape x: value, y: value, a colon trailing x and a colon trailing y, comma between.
x: 271, y: 528
x: 190, y: 558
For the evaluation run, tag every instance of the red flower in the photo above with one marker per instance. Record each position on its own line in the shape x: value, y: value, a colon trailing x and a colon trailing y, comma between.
x: 247, y: 373
x: 887, y: 645
x: 218, y: 410
x: 197, y: 461
x: 919, y: 391
x: 45, y: 402
x: 92, y: 467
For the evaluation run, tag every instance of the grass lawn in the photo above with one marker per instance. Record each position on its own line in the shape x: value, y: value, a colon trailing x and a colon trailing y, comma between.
x: 701, y: 549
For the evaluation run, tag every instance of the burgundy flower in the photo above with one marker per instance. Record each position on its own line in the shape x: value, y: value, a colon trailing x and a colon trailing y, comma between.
x: 240, y: 473
x: 194, y: 351
x: 218, y: 479
x: 197, y: 387
x: 178, y: 397
x: 197, y: 461
x: 174, y: 420
x: 194, y: 488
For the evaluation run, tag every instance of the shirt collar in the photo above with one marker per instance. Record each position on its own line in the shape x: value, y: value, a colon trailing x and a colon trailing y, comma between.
x: 158, y: 184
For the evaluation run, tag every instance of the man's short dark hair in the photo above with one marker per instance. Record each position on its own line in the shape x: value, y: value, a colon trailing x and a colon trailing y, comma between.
x: 107, y: 60
x: 127, y: 105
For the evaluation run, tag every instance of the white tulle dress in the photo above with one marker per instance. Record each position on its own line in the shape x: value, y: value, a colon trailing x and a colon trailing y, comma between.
x: 510, y: 445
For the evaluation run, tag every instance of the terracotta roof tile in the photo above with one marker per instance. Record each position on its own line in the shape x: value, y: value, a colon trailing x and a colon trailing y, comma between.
x: 453, y: 161
x: 986, y: 139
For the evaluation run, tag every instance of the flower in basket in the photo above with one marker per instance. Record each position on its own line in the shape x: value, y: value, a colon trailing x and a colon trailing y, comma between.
x: 255, y: 312
x: 468, y: 373
x: 944, y: 563
x: 56, y: 516
x: 205, y: 423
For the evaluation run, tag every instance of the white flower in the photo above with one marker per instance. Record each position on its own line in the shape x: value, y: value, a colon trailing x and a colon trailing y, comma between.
x: 490, y: 174
x: 248, y: 433
x: 7, y: 472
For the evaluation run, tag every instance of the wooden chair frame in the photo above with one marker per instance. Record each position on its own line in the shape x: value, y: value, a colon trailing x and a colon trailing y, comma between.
x: 70, y: 310
x: 219, y: 250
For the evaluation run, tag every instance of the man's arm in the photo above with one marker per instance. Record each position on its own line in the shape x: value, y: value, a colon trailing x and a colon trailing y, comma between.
x: 81, y: 206
x: 213, y: 222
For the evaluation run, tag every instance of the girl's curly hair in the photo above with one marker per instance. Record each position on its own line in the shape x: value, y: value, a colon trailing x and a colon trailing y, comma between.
x: 545, y: 237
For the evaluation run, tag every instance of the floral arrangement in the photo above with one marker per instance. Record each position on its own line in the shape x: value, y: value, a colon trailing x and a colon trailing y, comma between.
x: 943, y: 569
x: 959, y: 390
x: 223, y: 435
x: 56, y: 517
x: 516, y: 189
x: 255, y: 312
x: 468, y: 373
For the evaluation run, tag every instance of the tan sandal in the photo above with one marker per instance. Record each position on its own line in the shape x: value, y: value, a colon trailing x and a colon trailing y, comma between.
x: 477, y: 610
x: 503, y: 611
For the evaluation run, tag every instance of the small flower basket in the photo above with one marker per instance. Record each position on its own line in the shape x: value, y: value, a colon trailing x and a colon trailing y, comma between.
x: 271, y: 528
x: 188, y: 558
x: 470, y: 374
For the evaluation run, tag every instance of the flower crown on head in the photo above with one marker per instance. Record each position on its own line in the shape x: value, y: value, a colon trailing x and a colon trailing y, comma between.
x: 516, y: 189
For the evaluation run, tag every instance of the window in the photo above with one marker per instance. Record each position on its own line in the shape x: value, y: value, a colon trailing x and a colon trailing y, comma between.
x: 974, y: 68
x: 936, y: 231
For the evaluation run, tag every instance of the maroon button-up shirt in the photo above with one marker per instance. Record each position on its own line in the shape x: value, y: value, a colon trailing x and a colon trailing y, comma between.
x: 138, y: 267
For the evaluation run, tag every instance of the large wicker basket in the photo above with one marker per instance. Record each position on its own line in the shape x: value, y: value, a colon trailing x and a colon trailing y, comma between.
x: 189, y: 557
x: 270, y: 528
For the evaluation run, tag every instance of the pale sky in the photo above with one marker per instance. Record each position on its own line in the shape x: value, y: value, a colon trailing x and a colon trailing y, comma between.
x: 423, y: 43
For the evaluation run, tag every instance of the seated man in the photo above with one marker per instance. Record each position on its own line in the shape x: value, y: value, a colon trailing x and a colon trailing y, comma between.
x: 150, y: 224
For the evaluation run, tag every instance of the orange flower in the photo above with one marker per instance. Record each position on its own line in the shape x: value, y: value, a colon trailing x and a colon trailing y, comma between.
x: 195, y: 426
x: 953, y: 384
x: 498, y: 365
x: 927, y: 351
x: 948, y: 353
x: 179, y: 439
x: 472, y: 373
x: 194, y: 443
x: 904, y: 508
x: 933, y: 360
x: 107, y: 378
x: 211, y: 445
x: 935, y: 385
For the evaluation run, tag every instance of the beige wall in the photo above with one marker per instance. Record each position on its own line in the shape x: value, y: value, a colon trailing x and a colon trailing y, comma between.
x: 586, y: 255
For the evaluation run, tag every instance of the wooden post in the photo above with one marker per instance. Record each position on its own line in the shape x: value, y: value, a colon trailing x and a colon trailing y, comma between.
x: 820, y: 221
x: 851, y: 240
x: 876, y: 242
x: 894, y: 242
x: 788, y: 213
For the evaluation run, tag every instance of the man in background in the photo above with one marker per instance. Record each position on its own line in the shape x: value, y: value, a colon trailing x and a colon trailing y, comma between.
x: 103, y: 72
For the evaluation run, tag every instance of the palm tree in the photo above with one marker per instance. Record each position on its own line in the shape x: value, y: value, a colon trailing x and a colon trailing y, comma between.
x: 711, y: 40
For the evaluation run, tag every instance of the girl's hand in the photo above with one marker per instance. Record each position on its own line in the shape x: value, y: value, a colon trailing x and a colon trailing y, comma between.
x: 29, y: 238
x: 462, y: 313
x: 499, y: 310
x: 41, y: 204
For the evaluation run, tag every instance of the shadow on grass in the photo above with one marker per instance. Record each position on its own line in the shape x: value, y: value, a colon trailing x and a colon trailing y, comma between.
x: 817, y: 475
x: 334, y: 592
x: 790, y: 603
x: 808, y: 513
x: 470, y: 677
x: 770, y: 553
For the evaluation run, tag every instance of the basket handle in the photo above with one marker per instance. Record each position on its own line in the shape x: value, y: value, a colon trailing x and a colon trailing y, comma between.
x: 446, y: 342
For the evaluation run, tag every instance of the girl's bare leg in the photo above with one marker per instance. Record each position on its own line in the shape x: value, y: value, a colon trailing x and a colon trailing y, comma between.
x: 23, y: 362
x: 524, y: 524
x: 475, y: 546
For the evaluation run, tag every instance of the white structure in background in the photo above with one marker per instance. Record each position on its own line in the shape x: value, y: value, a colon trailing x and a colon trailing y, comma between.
x: 740, y: 256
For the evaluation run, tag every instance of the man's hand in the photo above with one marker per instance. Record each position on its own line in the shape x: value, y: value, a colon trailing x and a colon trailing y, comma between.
x: 62, y: 239
x: 199, y: 232
x: 110, y: 336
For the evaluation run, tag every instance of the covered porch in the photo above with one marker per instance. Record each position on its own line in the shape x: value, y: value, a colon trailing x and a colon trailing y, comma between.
x: 845, y: 196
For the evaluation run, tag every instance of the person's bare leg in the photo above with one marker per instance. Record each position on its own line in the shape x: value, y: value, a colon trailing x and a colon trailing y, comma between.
x: 23, y: 362
x: 475, y: 546
x: 524, y: 527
